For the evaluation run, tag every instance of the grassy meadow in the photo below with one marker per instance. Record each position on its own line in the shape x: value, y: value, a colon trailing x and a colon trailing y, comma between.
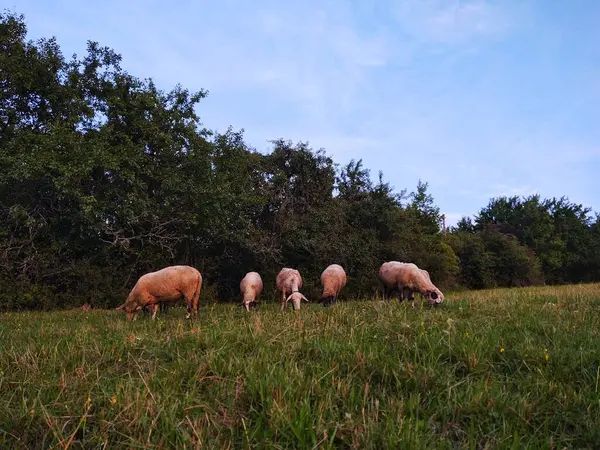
x: 488, y: 369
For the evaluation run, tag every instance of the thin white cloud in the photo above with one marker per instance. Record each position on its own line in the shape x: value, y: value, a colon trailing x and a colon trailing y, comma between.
x: 306, y: 56
x: 453, y: 21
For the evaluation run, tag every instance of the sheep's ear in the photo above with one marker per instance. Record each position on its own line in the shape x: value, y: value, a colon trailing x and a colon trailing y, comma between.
x: 290, y: 296
x: 304, y: 298
x: 120, y: 308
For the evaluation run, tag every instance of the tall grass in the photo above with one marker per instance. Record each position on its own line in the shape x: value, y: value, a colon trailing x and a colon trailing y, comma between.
x: 488, y: 369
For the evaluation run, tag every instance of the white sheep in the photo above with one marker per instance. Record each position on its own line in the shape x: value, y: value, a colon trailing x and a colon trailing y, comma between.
x: 250, y: 287
x: 333, y: 280
x: 399, y: 276
x: 166, y: 285
x: 289, y: 282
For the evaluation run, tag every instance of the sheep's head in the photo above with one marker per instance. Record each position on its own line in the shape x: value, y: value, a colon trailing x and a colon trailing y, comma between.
x: 435, y: 297
x: 296, y: 298
x: 131, y: 309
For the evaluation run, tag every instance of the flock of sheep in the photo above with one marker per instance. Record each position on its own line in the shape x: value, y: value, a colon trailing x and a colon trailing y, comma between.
x: 171, y: 284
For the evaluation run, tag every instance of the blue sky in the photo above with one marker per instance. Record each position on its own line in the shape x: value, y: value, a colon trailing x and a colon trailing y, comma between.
x: 479, y: 98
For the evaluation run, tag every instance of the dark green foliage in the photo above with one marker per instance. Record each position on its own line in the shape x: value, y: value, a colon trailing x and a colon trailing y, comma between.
x: 105, y: 177
x: 517, y: 242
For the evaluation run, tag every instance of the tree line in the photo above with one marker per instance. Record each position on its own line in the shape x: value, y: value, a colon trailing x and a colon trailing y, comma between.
x: 104, y: 177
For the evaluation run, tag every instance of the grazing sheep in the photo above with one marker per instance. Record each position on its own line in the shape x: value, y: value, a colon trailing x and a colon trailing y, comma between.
x: 401, y: 276
x: 389, y: 286
x: 289, y: 281
x: 166, y: 285
x: 333, y: 280
x: 251, y: 286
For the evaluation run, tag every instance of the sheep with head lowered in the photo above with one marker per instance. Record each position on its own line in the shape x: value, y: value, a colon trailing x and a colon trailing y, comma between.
x: 167, y: 285
x: 333, y: 280
x: 402, y: 276
x: 251, y: 286
x: 289, y: 282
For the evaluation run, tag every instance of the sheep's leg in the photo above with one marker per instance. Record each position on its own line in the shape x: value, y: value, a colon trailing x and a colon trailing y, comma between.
x: 411, y: 297
x: 189, y: 303
x: 191, y: 311
x: 384, y: 290
x: 195, y: 306
x: 188, y: 306
x: 400, y: 292
x: 389, y: 292
x: 283, y: 302
x: 392, y: 292
x: 154, y: 310
x: 192, y: 304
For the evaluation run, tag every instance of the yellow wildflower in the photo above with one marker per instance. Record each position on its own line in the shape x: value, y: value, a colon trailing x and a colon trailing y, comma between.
x: 113, y: 400
x: 502, y: 350
x: 467, y: 334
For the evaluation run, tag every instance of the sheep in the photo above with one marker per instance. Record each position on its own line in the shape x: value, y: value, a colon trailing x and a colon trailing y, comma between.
x: 251, y: 286
x: 165, y: 285
x: 333, y: 280
x: 401, y: 276
x: 289, y: 281
x: 390, y: 288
